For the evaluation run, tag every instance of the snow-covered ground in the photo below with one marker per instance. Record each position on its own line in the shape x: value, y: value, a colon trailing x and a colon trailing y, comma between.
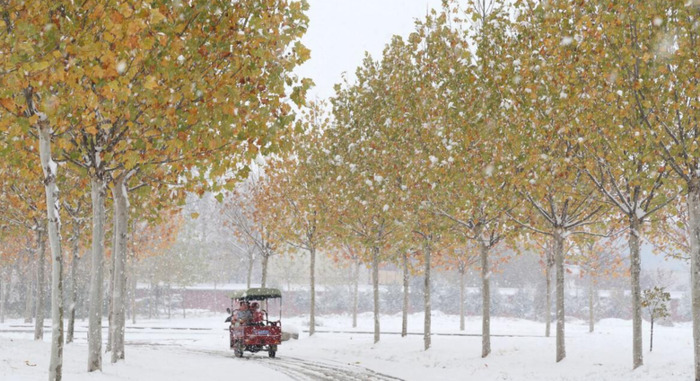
x: 172, y: 350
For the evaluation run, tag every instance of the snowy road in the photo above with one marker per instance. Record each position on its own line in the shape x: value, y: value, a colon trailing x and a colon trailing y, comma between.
x: 190, y: 340
x: 196, y: 348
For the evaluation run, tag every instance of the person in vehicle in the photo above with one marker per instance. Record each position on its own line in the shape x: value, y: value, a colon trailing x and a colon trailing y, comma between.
x: 257, y: 314
x: 244, y: 314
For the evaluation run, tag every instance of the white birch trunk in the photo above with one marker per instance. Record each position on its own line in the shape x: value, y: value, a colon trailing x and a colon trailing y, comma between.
x: 96, y: 277
x: 635, y: 269
x: 559, y: 264
x: 312, y: 275
x: 54, y: 228
x: 40, y: 288
x: 426, y: 296
x: 694, y: 232
x: 119, y: 274
x: 485, y: 300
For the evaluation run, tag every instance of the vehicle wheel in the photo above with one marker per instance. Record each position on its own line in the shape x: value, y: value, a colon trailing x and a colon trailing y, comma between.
x: 238, y: 349
x: 271, y: 353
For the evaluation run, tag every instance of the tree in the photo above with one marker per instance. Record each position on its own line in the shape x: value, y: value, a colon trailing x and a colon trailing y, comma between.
x: 365, y: 198
x: 544, y: 146
x: 655, y: 301
x: 296, y: 186
x: 646, y: 57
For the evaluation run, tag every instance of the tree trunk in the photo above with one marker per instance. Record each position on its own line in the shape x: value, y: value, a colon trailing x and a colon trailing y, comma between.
x: 426, y: 295
x: 54, y: 230
x: 73, y: 295
x: 462, y: 291
x: 251, y: 262
x: 355, y: 293
x: 98, y: 185
x: 312, y: 275
x: 265, y: 260
x: 635, y: 269
x: 29, y: 300
x: 548, y: 299
x: 40, y: 288
x: 110, y: 284
x: 30, y: 279
x: 694, y: 232
x: 404, y: 312
x: 5, y: 294
x: 375, y: 290
x: 121, y: 219
x: 485, y: 300
x: 651, y: 337
x: 591, y: 312
x: 559, y: 264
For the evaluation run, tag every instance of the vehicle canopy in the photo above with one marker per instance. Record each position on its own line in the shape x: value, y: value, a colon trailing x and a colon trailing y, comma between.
x: 256, y: 294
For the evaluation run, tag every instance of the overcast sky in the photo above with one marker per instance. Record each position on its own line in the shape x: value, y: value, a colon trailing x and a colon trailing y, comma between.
x: 340, y: 31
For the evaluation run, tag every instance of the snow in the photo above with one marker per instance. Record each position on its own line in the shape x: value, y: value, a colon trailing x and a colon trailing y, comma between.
x: 170, y: 350
x: 121, y: 67
x: 53, y: 167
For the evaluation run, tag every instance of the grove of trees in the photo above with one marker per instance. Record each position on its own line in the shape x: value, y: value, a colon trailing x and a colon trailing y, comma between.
x: 536, y: 126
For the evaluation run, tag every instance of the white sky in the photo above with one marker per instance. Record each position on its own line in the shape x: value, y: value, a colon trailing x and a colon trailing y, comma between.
x: 340, y: 31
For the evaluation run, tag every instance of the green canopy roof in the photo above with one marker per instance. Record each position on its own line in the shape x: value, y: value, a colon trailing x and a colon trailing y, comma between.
x: 256, y: 294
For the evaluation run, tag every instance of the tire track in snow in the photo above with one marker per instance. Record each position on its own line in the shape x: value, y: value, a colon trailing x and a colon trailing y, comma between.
x: 303, y: 370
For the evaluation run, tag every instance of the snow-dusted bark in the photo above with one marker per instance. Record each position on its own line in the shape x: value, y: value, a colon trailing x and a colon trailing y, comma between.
x: 110, y: 292
x: 694, y: 232
x: 548, y: 301
x: 119, y: 286
x: 591, y: 303
x: 5, y: 293
x: 485, y: 299
x: 249, y: 277
x: 375, y: 290
x: 40, y: 285
x: 355, y: 292
x: 265, y: 261
x: 98, y: 190
x: 559, y: 265
x: 426, y: 296
x: 404, y: 310
x: 312, y: 279
x: 635, y: 269
x: 30, y: 280
x: 54, y: 227
x: 73, y: 294
x: 461, y: 297
x: 549, y: 264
